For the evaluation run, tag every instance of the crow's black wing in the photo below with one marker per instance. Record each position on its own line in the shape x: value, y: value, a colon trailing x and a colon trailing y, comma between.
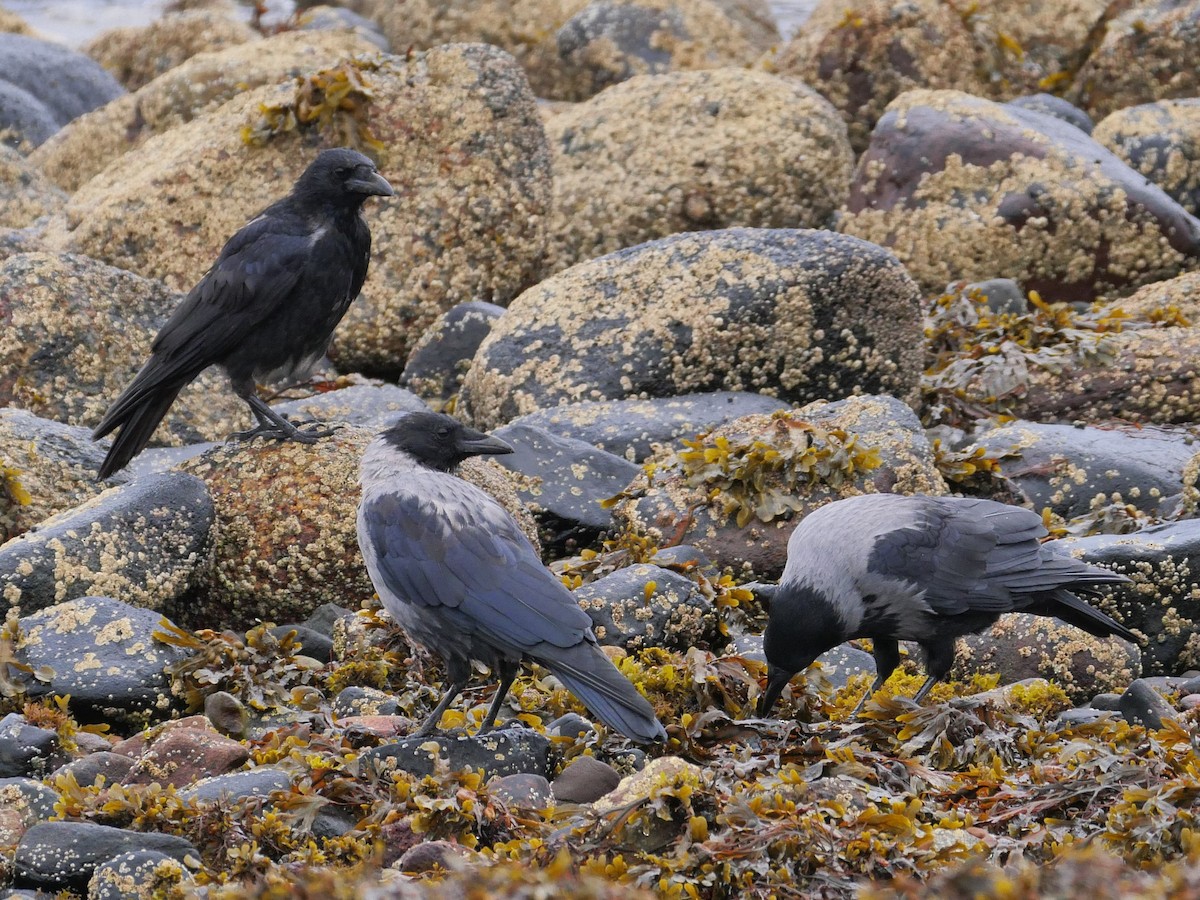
x: 971, y: 555
x: 452, y: 546
x: 257, y: 270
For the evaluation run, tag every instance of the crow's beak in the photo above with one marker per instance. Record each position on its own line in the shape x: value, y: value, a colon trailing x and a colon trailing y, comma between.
x: 480, y: 444
x: 777, y: 680
x: 376, y: 185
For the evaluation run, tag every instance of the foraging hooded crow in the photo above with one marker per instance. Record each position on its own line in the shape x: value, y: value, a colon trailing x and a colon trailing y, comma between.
x: 453, y: 568
x: 267, y: 308
x: 925, y: 569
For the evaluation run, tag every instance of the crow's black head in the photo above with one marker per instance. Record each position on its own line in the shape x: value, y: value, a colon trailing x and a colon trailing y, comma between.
x: 440, y: 442
x: 342, y: 176
x: 801, y: 625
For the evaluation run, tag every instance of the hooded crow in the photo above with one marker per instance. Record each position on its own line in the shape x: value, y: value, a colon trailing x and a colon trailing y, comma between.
x: 453, y: 568
x: 266, y: 310
x: 926, y: 569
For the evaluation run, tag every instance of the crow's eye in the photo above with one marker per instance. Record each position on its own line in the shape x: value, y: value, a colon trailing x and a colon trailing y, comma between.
x: 444, y: 431
x: 342, y: 173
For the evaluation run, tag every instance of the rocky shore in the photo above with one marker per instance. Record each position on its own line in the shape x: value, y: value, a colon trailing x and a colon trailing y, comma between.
x: 704, y: 280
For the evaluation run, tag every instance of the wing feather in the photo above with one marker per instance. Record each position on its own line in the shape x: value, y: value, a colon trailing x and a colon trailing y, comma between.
x: 483, y: 566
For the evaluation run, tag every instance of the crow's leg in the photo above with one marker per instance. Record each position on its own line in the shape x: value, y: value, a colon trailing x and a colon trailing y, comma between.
x: 272, y: 425
x: 939, y: 660
x: 924, y: 689
x: 430, y: 724
x: 887, y: 657
x: 508, y: 673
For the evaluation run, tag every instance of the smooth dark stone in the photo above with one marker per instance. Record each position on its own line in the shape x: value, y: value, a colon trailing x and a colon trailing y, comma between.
x: 236, y: 786
x: 25, y: 749
x: 313, y: 643
x: 64, y: 855
x: 565, y: 480
x: 629, y: 428
x: 437, y: 363
x: 525, y: 790
x: 1057, y: 107
x: 113, y: 766
x: 507, y: 751
x: 584, y: 780
x: 1142, y: 705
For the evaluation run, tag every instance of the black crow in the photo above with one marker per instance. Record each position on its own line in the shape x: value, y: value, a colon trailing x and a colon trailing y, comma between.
x: 453, y: 568
x: 925, y: 569
x: 267, y: 308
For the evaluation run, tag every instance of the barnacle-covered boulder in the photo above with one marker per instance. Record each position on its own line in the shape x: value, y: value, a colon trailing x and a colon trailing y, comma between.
x: 1093, y: 472
x: 738, y: 492
x: 146, y: 543
x: 25, y: 193
x: 799, y: 315
x: 1163, y: 603
x: 183, y: 92
x: 103, y: 654
x: 573, y: 48
x: 610, y: 41
x: 43, y: 86
x: 74, y: 331
x: 1021, y: 646
x: 45, y: 468
x: 137, y: 54
x: 691, y: 151
x: 456, y: 132
x: 862, y: 54
x: 1161, y: 141
x: 441, y: 356
x: 1142, y: 58
x: 963, y: 188
x: 285, y: 539
x: 643, y: 606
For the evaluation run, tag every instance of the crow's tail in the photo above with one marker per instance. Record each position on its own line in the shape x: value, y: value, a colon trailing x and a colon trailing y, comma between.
x: 591, y: 676
x: 137, y: 423
x: 1083, y: 615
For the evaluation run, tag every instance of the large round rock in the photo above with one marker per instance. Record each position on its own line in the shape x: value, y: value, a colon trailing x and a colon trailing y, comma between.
x: 74, y: 331
x: 800, y: 315
x: 1161, y: 141
x: 1142, y: 58
x: 460, y: 141
x: 963, y: 188
x: 862, y: 54
x: 43, y: 86
x: 690, y: 151
x: 202, y: 83
x: 137, y: 54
